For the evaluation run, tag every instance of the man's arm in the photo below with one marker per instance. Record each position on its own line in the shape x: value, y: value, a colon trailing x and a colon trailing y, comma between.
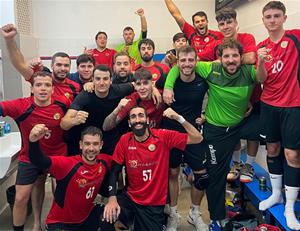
x: 112, y: 208
x: 141, y: 13
x: 194, y: 136
x: 112, y: 120
x: 249, y: 58
x: 36, y: 156
x: 261, y: 72
x: 9, y: 32
x: 73, y: 118
x: 173, y: 9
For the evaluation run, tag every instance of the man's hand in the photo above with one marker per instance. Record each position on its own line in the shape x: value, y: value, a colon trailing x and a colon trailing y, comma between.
x: 249, y: 110
x: 112, y: 210
x: 9, y: 31
x: 89, y: 87
x: 168, y: 96
x: 200, y: 120
x: 262, y: 54
x: 140, y: 12
x: 80, y: 117
x: 87, y: 51
x: 123, y: 102
x: 36, y: 64
x: 38, y: 132
x: 156, y: 96
x: 171, y: 58
x: 171, y: 114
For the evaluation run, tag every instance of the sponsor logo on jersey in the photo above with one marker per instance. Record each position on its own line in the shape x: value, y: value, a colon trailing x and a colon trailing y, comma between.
x: 284, y: 44
x: 131, y: 148
x: 56, y: 116
x: 82, y: 172
x: 133, y: 163
x: 152, y: 147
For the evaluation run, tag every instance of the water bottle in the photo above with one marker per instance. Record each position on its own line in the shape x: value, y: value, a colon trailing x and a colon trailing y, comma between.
x: 7, y: 128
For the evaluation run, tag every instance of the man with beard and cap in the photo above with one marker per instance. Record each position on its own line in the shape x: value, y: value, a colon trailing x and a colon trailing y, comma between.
x: 122, y: 68
x: 146, y: 49
x: 199, y: 35
x: 60, y: 64
x: 230, y: 87
x: 145, y: 153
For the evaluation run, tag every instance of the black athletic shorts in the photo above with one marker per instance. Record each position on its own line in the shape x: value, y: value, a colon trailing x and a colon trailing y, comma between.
x: 194, y: 155
x: 146, y: 218
x: 281, y: 125
x: 92, y: 223
x: 27, y: 173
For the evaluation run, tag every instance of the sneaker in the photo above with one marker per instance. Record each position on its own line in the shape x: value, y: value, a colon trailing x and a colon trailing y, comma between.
x: 234, y: 171
x: 215, y: 226
x: 195, y: 219
x: 173, y: 222
x: 247, y: 173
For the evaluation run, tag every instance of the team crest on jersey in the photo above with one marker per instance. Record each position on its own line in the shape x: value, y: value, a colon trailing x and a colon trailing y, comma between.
x: 56, y: 116
x: 106, y: 54
x: 67, y: 95
x: 206, y: 39
x: 81, y: 182
x: 154, y: 76
x: 100, y: 169
x: 133, y: 163
x: 152, y: 147
x: 284, y: 44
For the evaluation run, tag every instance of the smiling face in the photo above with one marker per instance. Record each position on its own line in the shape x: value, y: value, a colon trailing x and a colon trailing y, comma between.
x: 85, y: 70
x: 187, y: 63
x: 138, y: 121
x: 231, y: 60
x: 61, y: 68
x: 128, y: 36
x: 274, y: 19
x: 144, y: 88
x: 228, y: 27
x: 122, y: 67
x: 90, y: 146
x: 201, y: 24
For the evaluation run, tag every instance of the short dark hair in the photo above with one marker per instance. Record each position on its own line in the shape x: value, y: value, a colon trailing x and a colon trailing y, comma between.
x: 146, y: 41
x: 40, y: 74
x: 138, y: 106
x: 274, y: 5
x: 60, y: 54
x: 104, y: 68
x: 100, y: 32
x: 230, y: 43
x: 200, y: 14
x: 186, y: 49
x: 225, y: 14
x: 142, y: 74
x: 84, y: 58
x: 91, y: 130
x: 179, y: 36
x: 121, y: 53
x: 128, y: 28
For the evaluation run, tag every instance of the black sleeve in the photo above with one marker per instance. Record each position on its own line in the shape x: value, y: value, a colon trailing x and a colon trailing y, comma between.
x: 113, y: 178
x: 144, y: 34
x: 1, y: 111
x: 123, y: 89
x: 160, y: 83
x: 37, y: 157
x: 80, y: 100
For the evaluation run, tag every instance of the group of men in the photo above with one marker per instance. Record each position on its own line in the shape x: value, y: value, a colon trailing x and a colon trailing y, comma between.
x: 110, y: 86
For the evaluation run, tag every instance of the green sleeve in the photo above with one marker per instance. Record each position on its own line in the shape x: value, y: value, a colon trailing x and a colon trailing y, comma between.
x: 171, y: 78
x: 253, y: 73
x: 203, y: 69
x: 120, y: 47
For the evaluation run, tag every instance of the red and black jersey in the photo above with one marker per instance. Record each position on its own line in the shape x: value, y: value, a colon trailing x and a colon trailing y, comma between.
x: 104, y: 57
x: 154, y: 114
x: 157, y: 70
x: 147, y: 164
x: 27, y: 114
x: 211, y: 53
x: 199, y: 42
x: 281, y: 88
x: 67, y: 90
x: 78, y: 184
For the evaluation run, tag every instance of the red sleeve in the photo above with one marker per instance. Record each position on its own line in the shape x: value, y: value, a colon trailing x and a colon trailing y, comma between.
x: 248, y: 42
x: 14, y: 108
x: 107, y: 158
x: 119, y: 153
x: 175, y: 139
x: 165, y: 68
x: 188, y: 30
x: 60, y: 166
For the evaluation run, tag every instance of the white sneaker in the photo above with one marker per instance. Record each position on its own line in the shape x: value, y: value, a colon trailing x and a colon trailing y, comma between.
x: 173, y: 222
x: 195, y: 219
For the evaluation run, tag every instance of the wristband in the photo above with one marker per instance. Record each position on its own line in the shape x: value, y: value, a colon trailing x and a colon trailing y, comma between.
x: 181, y: 119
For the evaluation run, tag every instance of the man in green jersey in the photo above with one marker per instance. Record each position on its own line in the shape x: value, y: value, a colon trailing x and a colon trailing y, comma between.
x: 230, y: 86
x: 130, y: 46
